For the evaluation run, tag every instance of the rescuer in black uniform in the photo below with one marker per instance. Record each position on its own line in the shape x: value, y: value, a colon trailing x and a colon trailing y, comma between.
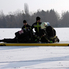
x: 27, y: 30
x: 26, y: 27
x: 37, y: 27
x: 50, y: 33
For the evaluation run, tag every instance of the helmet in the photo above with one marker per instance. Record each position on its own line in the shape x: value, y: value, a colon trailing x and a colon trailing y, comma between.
x: 44, y: 25
x: 48, y: 24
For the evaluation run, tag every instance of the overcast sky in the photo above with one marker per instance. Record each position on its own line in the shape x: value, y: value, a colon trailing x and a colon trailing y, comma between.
x: 13, y: 5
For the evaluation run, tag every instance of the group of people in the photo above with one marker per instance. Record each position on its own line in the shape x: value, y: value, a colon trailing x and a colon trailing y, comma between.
x: 43, y: 32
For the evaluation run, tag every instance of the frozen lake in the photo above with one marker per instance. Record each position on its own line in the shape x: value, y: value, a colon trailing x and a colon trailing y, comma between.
x: 62, y: 33
x: 34, y: 57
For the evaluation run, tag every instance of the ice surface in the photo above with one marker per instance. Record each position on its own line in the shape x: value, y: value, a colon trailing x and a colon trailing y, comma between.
x: 29, y: 57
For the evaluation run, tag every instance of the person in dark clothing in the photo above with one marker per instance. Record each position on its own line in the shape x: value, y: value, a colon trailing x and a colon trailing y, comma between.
x: 20, y: 37
x: 50, y: 33
x: 26, y: 27
x: 37, y: 27
x: 27, y: 30
x: 24, y: 35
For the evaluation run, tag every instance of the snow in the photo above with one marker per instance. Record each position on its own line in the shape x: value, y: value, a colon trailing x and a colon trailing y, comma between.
x: 37, y: 57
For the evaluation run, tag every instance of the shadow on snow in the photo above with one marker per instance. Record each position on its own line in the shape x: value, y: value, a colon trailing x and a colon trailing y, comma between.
x: 17, y: 64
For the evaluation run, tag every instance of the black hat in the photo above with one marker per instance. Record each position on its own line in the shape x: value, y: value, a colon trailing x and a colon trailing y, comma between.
x: 24, y: 21
x: 38, y: 18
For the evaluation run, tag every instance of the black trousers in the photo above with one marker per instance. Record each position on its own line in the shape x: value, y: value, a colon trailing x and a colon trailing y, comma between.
x: 9, y: 40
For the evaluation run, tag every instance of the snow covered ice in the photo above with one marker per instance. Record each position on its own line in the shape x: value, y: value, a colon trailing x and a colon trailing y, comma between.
x: 37, y: 57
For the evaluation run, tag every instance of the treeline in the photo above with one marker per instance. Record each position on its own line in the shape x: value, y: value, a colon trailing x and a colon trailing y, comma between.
x: 16, y: 20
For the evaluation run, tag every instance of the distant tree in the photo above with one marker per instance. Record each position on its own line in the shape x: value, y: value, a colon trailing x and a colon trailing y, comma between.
x: 53, y: 18
x: 65, y: 19
x: 15, y: 20
x: 2, y: 19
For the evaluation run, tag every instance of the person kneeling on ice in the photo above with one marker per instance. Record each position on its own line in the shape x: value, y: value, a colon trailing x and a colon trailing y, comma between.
x: 50, y: 33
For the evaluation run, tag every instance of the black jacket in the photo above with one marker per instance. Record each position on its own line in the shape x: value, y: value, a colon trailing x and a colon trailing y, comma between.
x: 37, y: 27
x: 50, y: 32
x: 26, y: 28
